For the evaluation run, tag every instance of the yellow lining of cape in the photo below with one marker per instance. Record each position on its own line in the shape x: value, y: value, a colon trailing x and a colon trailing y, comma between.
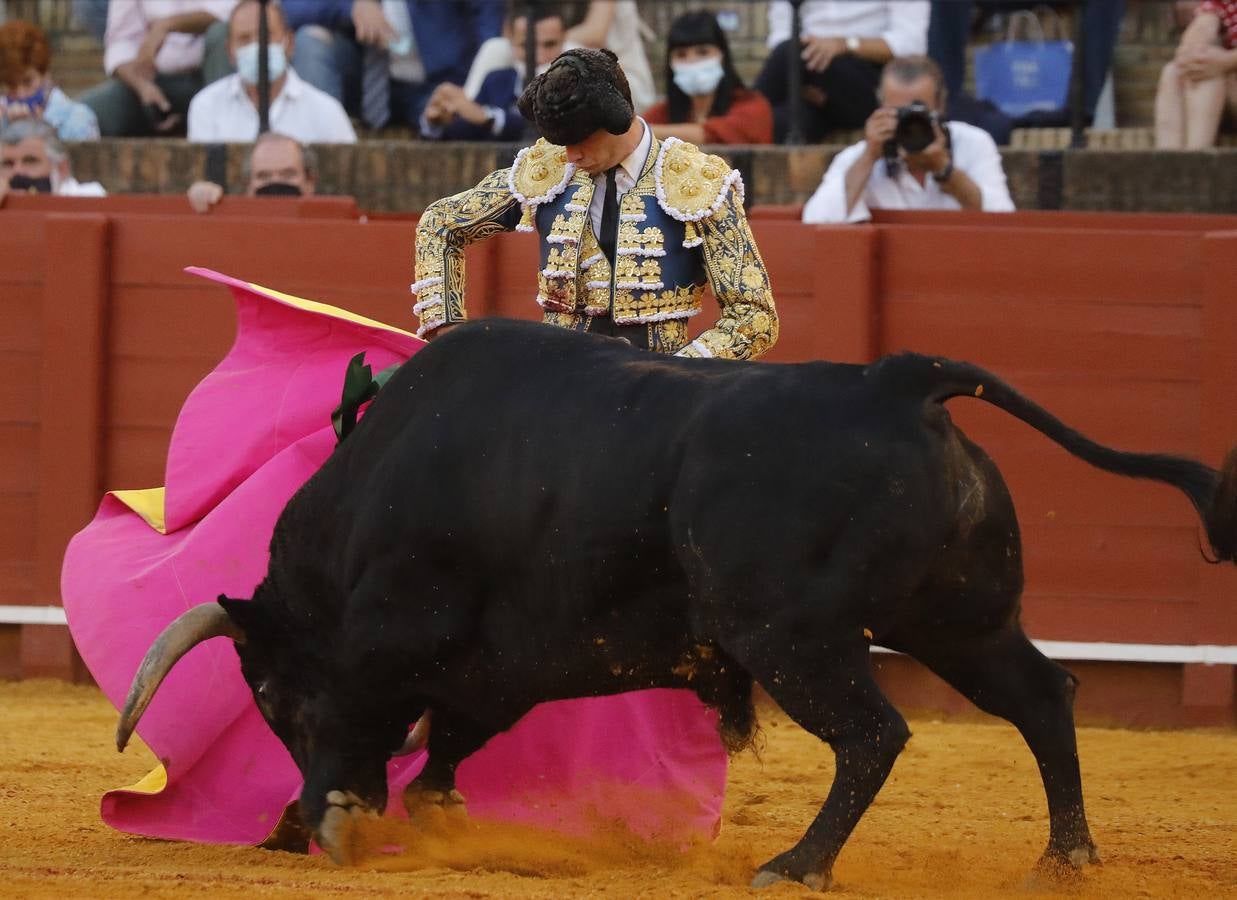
x: 153, y: 782
x: 328, y: 310
x: 146, y: 503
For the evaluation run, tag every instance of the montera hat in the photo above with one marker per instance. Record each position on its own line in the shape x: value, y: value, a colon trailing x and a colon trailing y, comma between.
x: 582, y: 92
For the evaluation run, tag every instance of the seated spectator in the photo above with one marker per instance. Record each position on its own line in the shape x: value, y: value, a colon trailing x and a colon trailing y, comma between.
x: 707, y: 102
x: 25, y: 58
x: 949, y: 32
x: 844, y: 47
x: 493, y: 115
x: 959, y: 168
x: 383, y: 58
x: 615, y: 25
x: 32, y: 160
x: 1200, y: 81
x: 277, y: 166
x: 159, y: 53
x: 227, y: 111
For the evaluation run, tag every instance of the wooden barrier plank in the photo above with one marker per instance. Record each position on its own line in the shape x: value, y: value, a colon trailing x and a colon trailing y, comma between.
x: 19, y: 324
x: 1218, y: 398
x: 72, y: 382
x: 1058, y: 220
x: 951, y: 263
x: 17, y: 544
x: 136, y: 456
x: 1109, y: 619
x: 19, y: 387
x: 19, y: 449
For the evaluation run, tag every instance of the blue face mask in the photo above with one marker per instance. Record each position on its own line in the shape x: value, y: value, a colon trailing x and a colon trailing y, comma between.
x: 33, y: 104
x: 247, y: 62
x: 697, y: 78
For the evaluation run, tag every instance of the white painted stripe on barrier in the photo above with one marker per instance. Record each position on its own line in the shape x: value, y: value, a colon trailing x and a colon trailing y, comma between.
x: 32, y: 615
x: 1094, y: 651
x: 1099, y: 651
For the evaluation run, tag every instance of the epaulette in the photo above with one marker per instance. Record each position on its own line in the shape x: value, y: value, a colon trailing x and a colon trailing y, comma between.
x: 539, y: 174
x: 692, y: 184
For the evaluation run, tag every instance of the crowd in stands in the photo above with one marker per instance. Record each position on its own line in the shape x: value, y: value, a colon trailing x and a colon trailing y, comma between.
x: 453, y: 70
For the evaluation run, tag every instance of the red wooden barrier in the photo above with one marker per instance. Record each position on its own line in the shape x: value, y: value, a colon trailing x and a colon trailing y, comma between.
x: 1125, y: 332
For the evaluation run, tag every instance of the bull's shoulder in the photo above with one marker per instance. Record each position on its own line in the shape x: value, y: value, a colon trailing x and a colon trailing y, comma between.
x: 540, y: 173
x: 692, y: 184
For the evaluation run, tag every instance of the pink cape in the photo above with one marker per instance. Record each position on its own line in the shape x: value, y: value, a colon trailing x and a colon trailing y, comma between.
x: 248, y: 436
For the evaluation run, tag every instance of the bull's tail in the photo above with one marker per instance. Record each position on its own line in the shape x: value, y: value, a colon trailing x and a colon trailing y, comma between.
x: 1213, y: 493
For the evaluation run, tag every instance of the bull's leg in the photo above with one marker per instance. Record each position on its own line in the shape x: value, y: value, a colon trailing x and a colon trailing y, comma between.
x: 1005, y: 675
x: 830, y: 692
x: 452, y: 739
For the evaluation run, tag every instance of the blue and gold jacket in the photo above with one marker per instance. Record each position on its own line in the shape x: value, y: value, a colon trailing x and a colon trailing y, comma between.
x: 681, y: 227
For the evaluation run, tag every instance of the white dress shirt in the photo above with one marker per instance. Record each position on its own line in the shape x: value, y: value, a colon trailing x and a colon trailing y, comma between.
x: 624, y: 179
x: 129, y: 20
x: 974, y: 152
x: 223, y: 113
x: 903, y: 24
x: 71, y: 187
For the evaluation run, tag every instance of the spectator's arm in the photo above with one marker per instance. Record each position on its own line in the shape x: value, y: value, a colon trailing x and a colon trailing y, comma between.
x: 203, y: 195
x: 980, y: 177
x: 336, y: 14
x: 123, y: 38
x: 908, y: 28
x: 594, y: 27
x: 832, y: 202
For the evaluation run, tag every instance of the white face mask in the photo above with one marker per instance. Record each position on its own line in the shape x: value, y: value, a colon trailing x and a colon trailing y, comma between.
x: 697, y: 78
x: 247, y: 62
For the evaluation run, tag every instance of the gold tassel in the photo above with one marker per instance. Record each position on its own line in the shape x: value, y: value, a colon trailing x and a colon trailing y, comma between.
x: 526, y: 218
x: 690, y: 234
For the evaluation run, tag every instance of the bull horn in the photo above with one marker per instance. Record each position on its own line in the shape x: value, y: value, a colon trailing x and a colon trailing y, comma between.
x: 417, y: 738
x: 204, y: 621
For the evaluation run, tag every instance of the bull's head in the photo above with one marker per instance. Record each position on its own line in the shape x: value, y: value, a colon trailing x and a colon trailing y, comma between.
x: 329, y: 731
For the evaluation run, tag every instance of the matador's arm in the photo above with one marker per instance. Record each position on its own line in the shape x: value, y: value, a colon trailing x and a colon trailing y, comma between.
x: 445, y: 229
x: 748, y: 324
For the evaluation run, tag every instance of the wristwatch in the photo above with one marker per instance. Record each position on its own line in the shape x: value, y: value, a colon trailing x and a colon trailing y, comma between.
x: 944, y: 174
x: 852, y: 44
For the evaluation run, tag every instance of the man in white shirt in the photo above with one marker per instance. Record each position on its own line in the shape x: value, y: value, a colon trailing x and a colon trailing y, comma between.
x: 227, y: 111
x: 960, y: 167
x: 32, y: 160
x: 845, y: 43
x: 159, y: 53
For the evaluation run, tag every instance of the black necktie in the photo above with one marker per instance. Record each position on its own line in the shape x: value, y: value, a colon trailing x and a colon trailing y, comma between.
x: 609, y: 216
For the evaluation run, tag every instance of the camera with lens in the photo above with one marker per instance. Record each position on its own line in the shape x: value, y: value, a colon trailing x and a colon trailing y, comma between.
x: 913, y: 133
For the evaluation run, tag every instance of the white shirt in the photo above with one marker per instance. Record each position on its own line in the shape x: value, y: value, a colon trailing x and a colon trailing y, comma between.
x: 408, y: 65
x: 71, y: 187
x: 974, y: 152
x: 624, y: 179
x: 129, y: 20
x: 223, y: 113
x: 902, y: 24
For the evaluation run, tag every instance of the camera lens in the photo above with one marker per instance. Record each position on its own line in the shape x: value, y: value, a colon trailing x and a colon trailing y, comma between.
x: 914, y: 130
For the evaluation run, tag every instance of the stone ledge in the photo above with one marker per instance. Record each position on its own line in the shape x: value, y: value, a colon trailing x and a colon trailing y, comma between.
x: 406, y: 176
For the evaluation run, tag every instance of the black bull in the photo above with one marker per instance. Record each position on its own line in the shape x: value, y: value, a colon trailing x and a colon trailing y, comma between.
x: 527, y: 514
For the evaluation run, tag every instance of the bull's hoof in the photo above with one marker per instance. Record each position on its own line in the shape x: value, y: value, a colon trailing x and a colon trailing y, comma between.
x: 815, y: 881
x: 1059, y: 867
x: 338, y: 834
x: 427, y: 804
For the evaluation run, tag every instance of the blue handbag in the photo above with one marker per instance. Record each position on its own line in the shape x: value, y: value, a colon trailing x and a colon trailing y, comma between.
x: 1027, y: 76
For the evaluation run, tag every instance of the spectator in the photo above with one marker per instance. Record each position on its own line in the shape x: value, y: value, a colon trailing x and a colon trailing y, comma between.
x: 616, y: 25
x: 950, y: 30
x: 32, y: 160
x: 1200, y: 81
x: 707, y: 102
x: 25, y: 58
x: 494, y: 115
x: 959, y: 169
x: 277, y: 166
x: 844, y: 46
x: 159, y: 53
x: 382, y: 59
x: 227, y: 110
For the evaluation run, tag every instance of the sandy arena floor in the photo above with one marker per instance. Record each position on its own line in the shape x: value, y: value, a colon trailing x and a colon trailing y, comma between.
x: 962, y: 816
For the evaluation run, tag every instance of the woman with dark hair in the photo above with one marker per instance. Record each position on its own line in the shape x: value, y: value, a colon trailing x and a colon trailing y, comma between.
x: 707, y: 102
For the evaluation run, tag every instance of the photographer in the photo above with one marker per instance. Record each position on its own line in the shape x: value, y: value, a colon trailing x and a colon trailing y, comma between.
x: 909, y: 159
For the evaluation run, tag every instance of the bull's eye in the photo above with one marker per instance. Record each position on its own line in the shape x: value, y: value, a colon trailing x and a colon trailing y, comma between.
x: 260, y: 691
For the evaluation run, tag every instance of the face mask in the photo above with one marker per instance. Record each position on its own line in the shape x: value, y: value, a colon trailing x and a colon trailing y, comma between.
x: 24, y: 184
x: 278, y: 189
x: 247, y: 62
x: 32, y: 105
x: 697, y: 78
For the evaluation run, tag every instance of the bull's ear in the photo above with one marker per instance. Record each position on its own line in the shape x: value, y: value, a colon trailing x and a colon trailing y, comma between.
x: 247, y: 615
